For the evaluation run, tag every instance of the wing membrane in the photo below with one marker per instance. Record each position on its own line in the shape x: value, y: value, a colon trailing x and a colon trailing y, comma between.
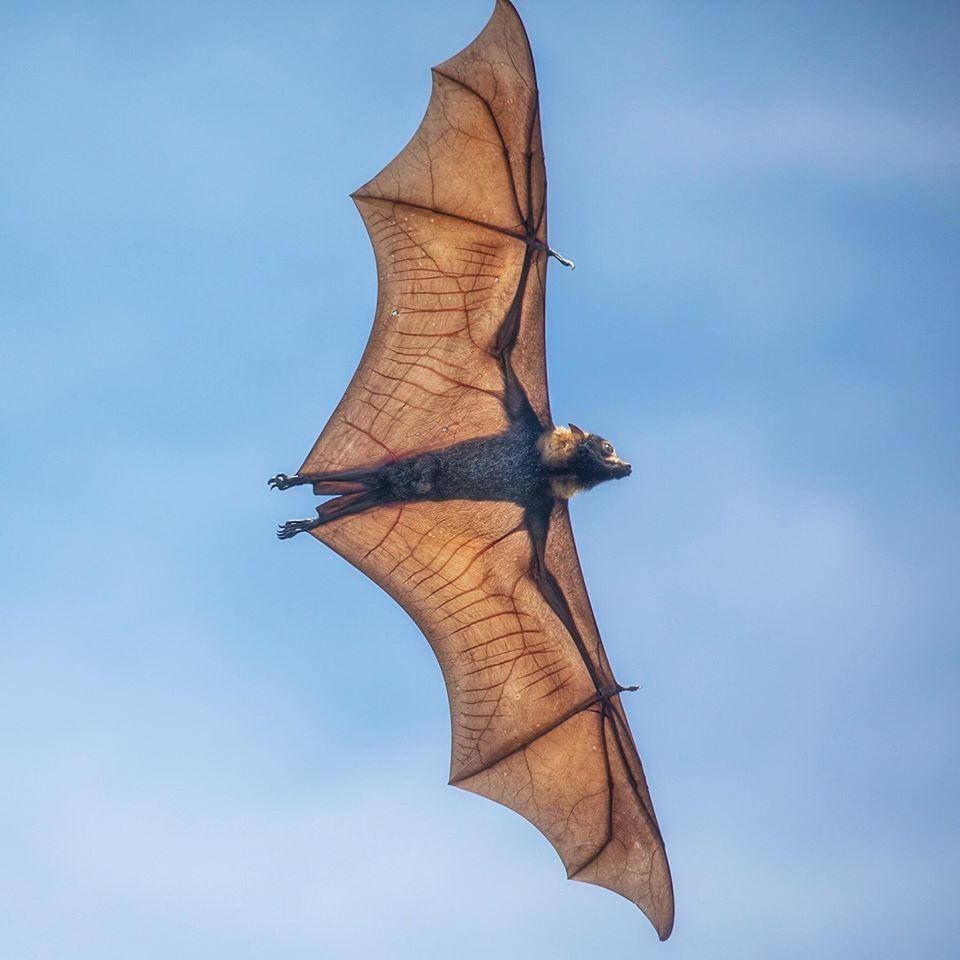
x: 528, y: 726
x: 458, y: 226
x: 451, y: 220
x: 462, y: 572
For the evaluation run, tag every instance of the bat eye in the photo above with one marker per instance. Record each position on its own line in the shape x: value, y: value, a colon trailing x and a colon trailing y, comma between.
x: 606, y: 448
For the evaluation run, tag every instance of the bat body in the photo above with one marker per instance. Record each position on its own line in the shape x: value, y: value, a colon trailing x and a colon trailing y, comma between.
x: 524, y: 465
x: 448, y: 480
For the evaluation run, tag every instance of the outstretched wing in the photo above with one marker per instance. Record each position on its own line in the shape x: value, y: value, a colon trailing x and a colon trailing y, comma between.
x: 458, y: 226
x: 529, y: 728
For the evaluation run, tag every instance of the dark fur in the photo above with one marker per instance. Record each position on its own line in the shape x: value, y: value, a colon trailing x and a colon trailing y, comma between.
x: 502, y: 467
x: 590, y: 465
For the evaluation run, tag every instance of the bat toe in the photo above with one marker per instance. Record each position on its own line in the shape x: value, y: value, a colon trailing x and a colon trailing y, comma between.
x: 292, y: 527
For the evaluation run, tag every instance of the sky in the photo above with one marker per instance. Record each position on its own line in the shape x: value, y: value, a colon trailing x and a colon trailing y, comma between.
x: 217, y: 745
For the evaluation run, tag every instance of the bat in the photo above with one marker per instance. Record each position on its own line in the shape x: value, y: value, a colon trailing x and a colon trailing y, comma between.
x: 448, y: 482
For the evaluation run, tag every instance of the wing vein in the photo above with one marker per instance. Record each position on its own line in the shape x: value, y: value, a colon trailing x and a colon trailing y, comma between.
x: 505, y: 231
x: 496, y: 126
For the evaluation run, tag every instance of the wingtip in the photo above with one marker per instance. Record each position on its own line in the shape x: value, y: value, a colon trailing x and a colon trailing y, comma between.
x: 509, y: 6
x: 500, y: 7
x: 662, y: 909
x: 664, y: 928
x: 662, y: 922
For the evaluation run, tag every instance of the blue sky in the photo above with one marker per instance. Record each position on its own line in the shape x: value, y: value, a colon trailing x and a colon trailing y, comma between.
x: 218, y: 745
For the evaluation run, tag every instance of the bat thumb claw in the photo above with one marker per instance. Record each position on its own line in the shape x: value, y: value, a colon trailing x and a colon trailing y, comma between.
x: 563, y: 260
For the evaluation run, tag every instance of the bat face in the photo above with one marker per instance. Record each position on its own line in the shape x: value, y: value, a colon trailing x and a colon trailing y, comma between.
x: 598, y: 460
x: 449, y: 480
x: 581, y: 460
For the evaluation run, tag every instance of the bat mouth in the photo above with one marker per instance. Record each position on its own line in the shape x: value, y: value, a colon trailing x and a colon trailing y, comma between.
x: 620, y: 469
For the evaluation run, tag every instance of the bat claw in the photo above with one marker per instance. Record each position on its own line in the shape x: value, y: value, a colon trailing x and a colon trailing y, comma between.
x: 280, y: 482
x: 292, y: 527
x: 563, y: 260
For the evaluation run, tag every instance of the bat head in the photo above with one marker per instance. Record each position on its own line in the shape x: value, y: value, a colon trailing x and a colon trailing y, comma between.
x: 595, y: 459
x: 578, y: 460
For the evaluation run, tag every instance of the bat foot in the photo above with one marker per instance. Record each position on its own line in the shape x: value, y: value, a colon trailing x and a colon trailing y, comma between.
x: 281, y: 482
x: 292, y: 527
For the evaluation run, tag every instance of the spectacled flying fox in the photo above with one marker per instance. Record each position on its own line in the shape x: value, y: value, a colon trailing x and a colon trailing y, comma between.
x: 448, y: 480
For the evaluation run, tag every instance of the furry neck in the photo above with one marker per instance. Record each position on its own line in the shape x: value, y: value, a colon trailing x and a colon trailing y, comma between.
x: 566, y: 485
x: 557, y: 447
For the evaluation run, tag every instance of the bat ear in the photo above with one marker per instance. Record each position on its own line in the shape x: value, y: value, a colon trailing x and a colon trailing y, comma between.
x: 578, y: 434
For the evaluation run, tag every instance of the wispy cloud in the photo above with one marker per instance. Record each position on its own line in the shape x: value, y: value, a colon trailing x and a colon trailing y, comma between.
x: 217, y: 746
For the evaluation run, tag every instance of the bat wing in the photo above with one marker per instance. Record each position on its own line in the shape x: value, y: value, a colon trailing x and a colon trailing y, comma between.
x: 458, y: 226
x: 529, y: 728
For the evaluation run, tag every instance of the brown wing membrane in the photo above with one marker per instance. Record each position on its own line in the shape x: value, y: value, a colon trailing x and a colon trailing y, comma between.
x: 458, y: 226
x: 634, y: 861
x: 529, y: 728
